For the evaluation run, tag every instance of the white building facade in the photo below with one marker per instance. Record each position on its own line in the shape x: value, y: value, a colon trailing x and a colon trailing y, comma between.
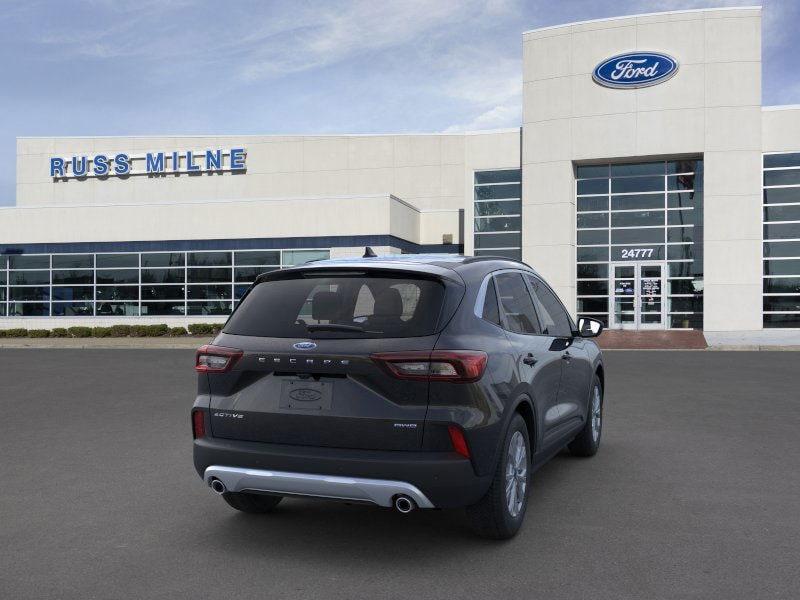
x: 647, y: 183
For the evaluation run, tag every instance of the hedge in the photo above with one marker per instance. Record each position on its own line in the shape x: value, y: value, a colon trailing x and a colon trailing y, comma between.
x: 162, y: 329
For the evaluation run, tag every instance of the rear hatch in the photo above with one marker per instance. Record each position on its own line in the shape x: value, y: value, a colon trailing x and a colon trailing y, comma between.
x: 305, y: 376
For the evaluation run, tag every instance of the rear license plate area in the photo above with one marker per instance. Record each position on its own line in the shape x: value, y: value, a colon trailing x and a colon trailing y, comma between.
x: 301, y: 394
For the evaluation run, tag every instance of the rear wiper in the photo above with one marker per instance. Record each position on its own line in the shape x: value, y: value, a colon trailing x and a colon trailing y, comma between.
x: 337, y: 327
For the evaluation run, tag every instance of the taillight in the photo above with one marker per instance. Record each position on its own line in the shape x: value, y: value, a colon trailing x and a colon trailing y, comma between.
x: 216, y: 359
x: 458, y: 366
x: 198, y: 424
x: 458, y: 440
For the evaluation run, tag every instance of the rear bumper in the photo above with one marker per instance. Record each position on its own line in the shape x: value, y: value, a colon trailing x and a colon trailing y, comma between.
x: 442, y: 479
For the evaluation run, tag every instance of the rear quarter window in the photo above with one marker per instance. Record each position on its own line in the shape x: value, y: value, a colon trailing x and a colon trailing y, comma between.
x: 353, y: 306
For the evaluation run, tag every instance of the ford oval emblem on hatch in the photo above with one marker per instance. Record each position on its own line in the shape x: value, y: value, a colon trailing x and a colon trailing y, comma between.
x: 304, y: 346
x: 635, y: 70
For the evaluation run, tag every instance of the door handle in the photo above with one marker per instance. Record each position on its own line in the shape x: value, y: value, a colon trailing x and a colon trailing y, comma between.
x: 529, y: 360
x: 566, y: 356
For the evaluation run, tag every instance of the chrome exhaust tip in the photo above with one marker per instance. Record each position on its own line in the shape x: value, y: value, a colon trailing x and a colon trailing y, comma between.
x: 404, y: 504
x: 218, y: 487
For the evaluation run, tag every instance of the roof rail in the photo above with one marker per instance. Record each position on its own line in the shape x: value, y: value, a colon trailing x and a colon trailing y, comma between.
x: 483, y: 257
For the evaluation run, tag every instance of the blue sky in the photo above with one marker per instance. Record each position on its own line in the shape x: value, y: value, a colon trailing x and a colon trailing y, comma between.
x: 104, y: 67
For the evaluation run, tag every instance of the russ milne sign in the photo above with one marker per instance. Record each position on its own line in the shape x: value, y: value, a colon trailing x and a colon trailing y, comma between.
x: 635, y: 70
x: 150, y: 163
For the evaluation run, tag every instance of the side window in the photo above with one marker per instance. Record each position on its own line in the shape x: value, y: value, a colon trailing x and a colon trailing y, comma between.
x: 515, y: 302
x: 555, y: 320
x: 491, y: 312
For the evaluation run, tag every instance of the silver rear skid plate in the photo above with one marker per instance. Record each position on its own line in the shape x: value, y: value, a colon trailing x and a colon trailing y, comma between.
x: 378, y: 491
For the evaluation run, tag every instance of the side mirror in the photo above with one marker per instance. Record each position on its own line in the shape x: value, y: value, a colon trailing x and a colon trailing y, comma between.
x: 589, y: 328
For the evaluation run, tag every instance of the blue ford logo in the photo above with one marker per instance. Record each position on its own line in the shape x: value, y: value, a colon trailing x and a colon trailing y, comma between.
x: 304, y: 346
x: 635, y: 70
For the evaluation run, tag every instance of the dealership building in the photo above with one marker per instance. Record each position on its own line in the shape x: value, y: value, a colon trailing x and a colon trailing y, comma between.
x: 646, y: 183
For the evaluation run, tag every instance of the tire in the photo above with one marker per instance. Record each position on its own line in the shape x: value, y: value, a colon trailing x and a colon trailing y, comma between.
x: 492, y: 517
x: 252, y: 503
x: 587, y: 441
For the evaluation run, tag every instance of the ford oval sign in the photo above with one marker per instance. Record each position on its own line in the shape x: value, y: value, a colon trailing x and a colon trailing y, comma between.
x: 304, y: 346
x: 635, y: 70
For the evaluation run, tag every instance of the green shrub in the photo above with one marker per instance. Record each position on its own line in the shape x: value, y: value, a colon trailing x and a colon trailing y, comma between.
x: 138, y: 330
x: 16, y: 332
x: 200, y: 328
x: 120, y: 330
x: 217, y: 327
x: 38, y: 333
x: 177, y: 331
x: 101, y: 332
x: 157, y: 330
x: 2, y: 333
x: 80, y: 332
x: 59, y: 332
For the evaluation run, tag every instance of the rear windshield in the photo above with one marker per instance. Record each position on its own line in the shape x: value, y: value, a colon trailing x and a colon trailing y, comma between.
x: 347, y: 306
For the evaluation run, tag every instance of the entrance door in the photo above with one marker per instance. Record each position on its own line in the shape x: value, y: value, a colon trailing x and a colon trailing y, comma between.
x: 637, y: 295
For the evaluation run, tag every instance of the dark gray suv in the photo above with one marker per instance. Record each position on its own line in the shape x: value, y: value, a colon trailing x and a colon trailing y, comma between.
x: 412, y: 381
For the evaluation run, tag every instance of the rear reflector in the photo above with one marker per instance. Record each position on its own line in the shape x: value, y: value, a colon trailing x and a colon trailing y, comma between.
x: 216, y: 359
x: 458, y: 440
x: 457, y: 366
x: 198, y: 424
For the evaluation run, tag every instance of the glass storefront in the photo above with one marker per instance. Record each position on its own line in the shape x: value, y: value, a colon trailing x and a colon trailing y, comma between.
x: 781, y: 299
x: 497, y: 223
x: 137, y: 283
x: 640, y: 243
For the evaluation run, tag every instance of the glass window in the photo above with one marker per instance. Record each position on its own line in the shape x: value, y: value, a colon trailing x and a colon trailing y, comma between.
x: 681, y: 269
x: 117, y: 276
x: 555, y: 321
x: 249, y: 274
x: 592, y: 271
x: 498, y: 240
x: 586, y: 171
x: 593, y: 288
x: 70, y: 292
x: 117, y: 292
x: 29, y: 261
x: 694, y: 321
x: 637, y: 202
x: 782, y: 249
x: 3, y: 277
x: 239, y: 290
x: 209, y: 308
x: 163, y: 276
x: 501, y: 176
x: 73, y: 261
x: 516, y: 304
x: 298, y: 257
x: 595, y: 203
x: 499, y: 207
x: 782, y: 213
x: 782, y: 160
x: 28, y: 309
x: 782, y: 285
x: 162, y: 292
x: 684, y: 166
x: 209, y: 292
x: 593, y: 305
x: 637, y: 219
x: 679, y: 252
x: 592, y: 186
x: 782, y: 321
x: 680, y: 234
x: 782, y: 195
x: 29, y: 293
x: 162, y: 308
x: 73, y: 309
x: 782, y: 267
x: 788, y: 177
x: 684, y: 286
x: 680, y: 182
x: 637, y: 184
x: 210, y: 275
x: 512, y: 253
x: 782, y: 303
x: 681, y: 217
x: 209, y: 259
x: 590, y: 254
x: 163, y: 259
x: 491, y: 310
x: 588, y: 237
x: 498, y: 224
x: 117, y: 309
x: 29, y: 277
x: 116, y: 261
x: 684, y: 199
x: 638, y: 251
x: 495, y: 192
x: 373, y: 306
x: 592, y: 220
x: 648, y: 168
x: 637, y: 236
x: 61, y: 277
x: 257, y: 257
x: 693, y: 304
x: 782, y: 231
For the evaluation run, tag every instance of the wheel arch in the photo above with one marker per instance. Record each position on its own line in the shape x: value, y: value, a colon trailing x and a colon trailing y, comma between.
x: 601, y: 375
x: 524, y: 408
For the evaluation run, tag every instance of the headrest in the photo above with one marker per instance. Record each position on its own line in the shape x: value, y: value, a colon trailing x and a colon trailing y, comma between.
x: 388, y: 303
x: 326, y: 306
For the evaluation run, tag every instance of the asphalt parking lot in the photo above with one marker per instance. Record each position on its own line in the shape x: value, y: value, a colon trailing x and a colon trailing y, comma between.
x: 695, y: 494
